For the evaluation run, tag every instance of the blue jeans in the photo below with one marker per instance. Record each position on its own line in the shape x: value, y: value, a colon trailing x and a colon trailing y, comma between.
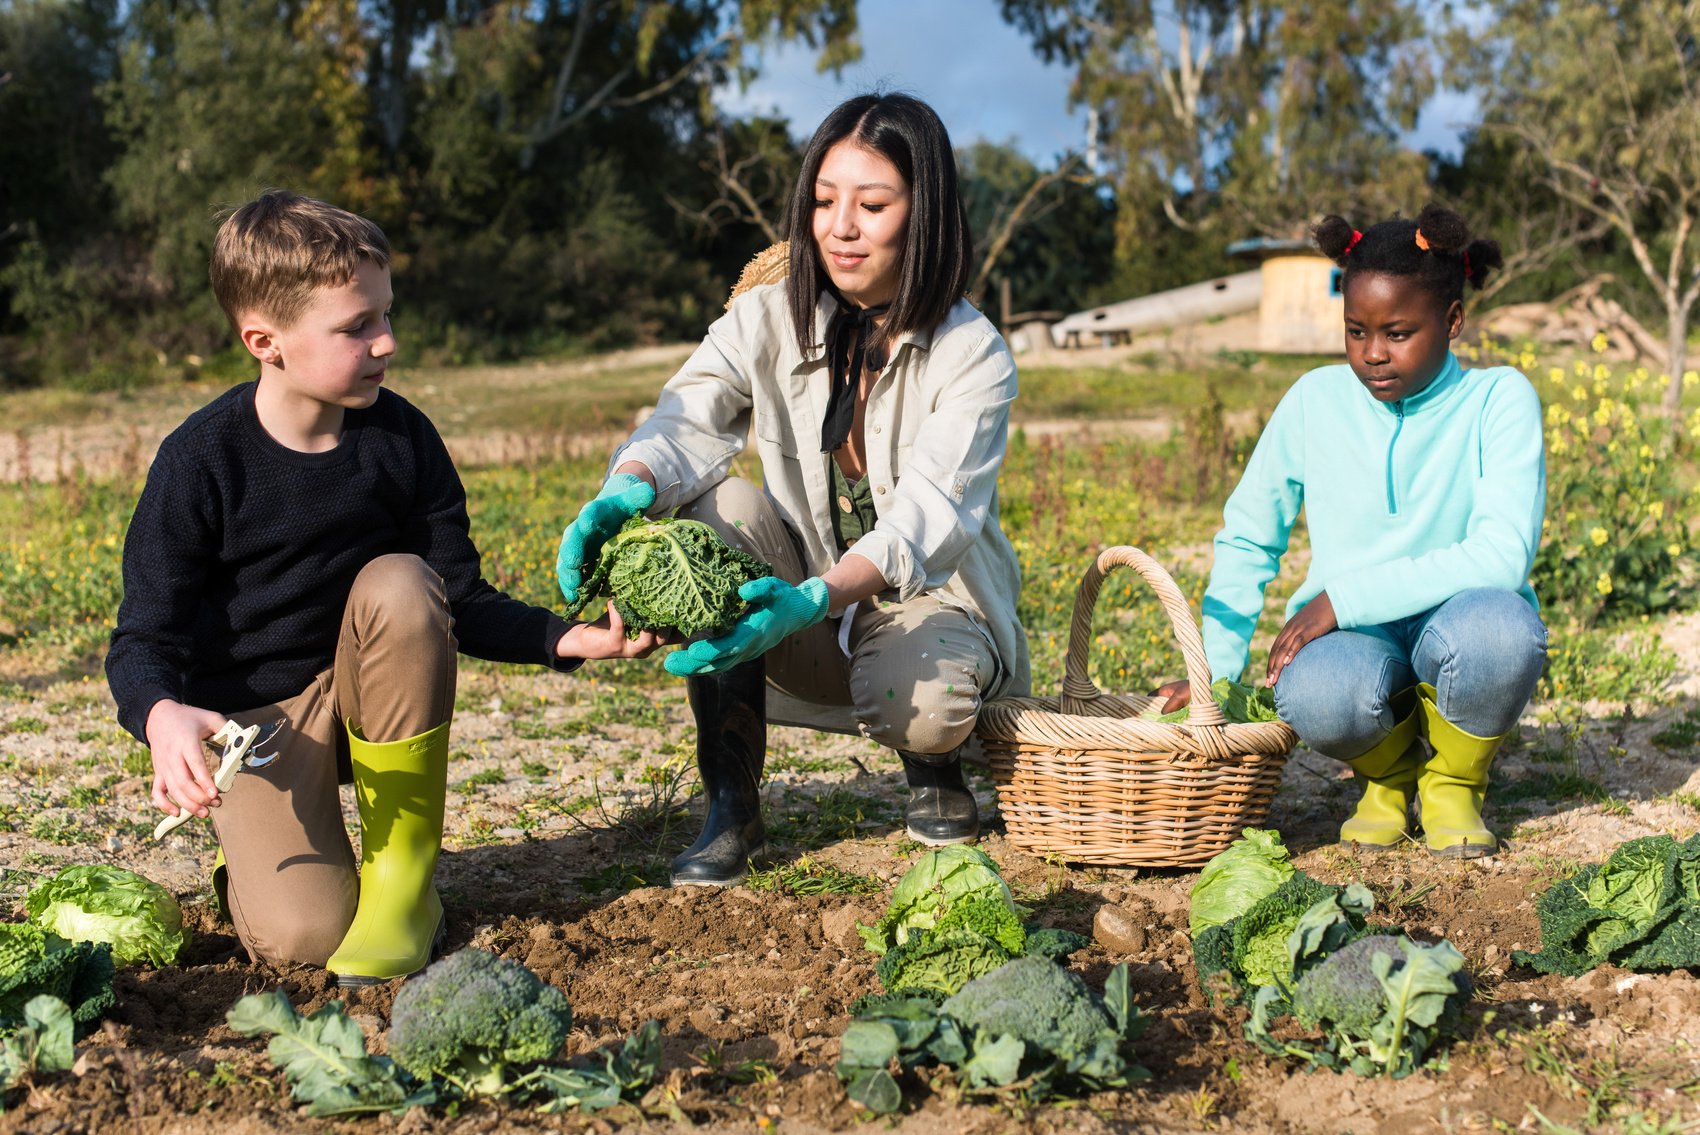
x: 1482, y: 650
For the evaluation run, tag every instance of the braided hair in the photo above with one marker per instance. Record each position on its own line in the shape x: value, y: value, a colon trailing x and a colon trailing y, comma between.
x: 1435, y: 248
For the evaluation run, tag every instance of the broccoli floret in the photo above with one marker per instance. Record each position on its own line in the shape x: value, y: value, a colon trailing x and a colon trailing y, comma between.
x: 942, y: 960
x: 470, y: 1015
x: 1039, y: 1003
x: 1053, y: 943
x: 1343, y: 988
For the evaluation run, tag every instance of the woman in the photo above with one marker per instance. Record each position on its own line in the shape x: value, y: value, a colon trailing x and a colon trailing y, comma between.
x: 880, y: 401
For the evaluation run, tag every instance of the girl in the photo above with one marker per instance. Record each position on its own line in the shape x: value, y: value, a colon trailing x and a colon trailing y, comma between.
x: 1423, y: 485
x: 880, y: 400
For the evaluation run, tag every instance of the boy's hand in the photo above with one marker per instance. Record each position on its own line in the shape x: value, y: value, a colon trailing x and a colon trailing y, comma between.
x: 1316, y: 620
x: 177, y: 734
x: 623, y: 496
x: 606, y: 638
x: 1177, y: 695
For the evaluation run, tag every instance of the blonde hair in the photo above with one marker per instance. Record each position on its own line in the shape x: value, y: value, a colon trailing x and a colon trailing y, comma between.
x: 273, y: 253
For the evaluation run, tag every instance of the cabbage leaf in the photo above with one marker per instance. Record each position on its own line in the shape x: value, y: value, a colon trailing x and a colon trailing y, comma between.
x: 670, y: 574
x: 93, y: 902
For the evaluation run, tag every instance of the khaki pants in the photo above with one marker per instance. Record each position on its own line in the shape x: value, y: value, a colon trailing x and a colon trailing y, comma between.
x: 292, y: 887
x: 916, y: 670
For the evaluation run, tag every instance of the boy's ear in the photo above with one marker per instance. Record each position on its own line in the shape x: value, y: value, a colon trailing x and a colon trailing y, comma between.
x: 261, y: 340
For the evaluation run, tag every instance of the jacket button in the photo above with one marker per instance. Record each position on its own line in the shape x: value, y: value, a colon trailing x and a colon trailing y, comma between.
x: 880, y: 490
x: 844, y: 504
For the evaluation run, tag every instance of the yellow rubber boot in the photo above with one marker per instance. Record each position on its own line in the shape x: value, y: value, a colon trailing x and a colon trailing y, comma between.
x: 1451, y: 786
x: 1382, y: 818
x: 399, y: 786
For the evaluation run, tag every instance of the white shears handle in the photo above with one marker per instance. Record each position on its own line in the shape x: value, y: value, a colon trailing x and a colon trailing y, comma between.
x: 236, y: 741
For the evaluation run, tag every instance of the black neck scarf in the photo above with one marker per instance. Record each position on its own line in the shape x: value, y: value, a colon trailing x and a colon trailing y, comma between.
x: 847, y: 355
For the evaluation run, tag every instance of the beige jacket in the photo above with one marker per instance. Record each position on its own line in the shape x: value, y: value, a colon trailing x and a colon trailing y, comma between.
x: 937, y: 426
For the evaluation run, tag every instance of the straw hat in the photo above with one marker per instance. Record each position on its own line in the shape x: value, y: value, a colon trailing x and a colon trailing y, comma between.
x: 769, y: 266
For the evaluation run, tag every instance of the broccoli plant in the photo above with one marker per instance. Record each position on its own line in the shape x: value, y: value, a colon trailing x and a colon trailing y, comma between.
x: 669, y: 574
x: 1029, y: 1021
x: 469, y: 1016
x: 1375, y: 1006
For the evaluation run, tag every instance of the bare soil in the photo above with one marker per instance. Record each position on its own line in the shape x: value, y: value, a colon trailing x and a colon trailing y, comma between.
x: 752, y: 986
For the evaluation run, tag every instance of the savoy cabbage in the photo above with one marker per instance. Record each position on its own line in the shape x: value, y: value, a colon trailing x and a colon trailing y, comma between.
x: 670, y: 574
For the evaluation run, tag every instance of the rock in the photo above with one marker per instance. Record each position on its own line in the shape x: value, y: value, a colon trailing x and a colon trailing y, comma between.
x: 838, y: 926
x: 1119, y: 930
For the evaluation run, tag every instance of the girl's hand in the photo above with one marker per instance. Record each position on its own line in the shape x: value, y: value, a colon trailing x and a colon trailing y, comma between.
x: 1178, y: 695
x: 1316, y: 620
x: 606, y: 638
x: 177, y: 735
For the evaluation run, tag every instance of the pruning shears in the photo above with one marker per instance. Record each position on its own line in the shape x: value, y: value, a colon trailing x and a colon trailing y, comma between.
x: 238, y: 742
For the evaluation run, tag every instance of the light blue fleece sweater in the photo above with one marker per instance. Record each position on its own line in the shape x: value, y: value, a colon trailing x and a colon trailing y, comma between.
x: 1408, y: 502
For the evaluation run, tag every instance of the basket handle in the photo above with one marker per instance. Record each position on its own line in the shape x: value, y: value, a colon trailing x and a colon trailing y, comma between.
x: 1078, y: 688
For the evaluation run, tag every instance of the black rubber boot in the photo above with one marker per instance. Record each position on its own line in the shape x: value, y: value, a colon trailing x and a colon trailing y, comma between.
x: 941, y: 809
x: 731, y: 716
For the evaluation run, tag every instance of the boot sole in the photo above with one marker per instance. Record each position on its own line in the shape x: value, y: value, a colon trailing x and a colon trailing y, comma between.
x: 363, y: 981
x: 933, y: 841
x: 1464, y: 851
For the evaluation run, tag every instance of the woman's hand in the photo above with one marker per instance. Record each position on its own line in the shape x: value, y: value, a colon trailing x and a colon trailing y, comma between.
x: 1314, y: 621
x: 777, y: 611
x: 624, y: 495
x: 606, y: 638
x: 177, y: 735
x: 1177, y: 695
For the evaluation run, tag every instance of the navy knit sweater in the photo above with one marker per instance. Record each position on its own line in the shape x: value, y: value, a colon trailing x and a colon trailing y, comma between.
x: 242, y: 553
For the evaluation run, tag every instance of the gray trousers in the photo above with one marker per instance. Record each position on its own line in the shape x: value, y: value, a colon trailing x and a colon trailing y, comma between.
x: 916, y: 671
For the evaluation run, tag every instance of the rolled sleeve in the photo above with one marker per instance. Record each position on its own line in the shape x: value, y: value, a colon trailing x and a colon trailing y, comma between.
x: 944, y: 493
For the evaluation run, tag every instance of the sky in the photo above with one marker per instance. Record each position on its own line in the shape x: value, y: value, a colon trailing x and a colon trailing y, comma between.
x: 980, y: 74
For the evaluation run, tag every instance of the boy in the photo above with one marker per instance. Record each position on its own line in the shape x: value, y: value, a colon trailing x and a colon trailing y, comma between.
x: 301, y: 553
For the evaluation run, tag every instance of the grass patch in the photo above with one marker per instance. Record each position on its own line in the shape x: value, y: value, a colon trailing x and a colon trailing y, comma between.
x: 1553, y: 788
x: 27, y: 725
x: 837, y: 814
x: 807, y: 877
x: 623, y: 877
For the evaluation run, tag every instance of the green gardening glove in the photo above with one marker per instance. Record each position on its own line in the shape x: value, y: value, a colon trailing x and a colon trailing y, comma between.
x: 777, y: 610
x: 623, y: 496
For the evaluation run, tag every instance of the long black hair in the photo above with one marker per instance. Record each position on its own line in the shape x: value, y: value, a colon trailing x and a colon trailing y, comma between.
x: 1436, y: 248
x: 937, y: 246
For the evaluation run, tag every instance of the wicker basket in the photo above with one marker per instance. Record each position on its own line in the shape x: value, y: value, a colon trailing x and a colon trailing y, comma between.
x: 1085, y: 777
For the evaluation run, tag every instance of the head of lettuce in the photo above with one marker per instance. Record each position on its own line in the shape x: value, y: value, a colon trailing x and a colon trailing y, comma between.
x: 97, y: 903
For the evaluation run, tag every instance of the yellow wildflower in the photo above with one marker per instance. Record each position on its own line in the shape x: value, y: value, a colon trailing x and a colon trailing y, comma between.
x: 1674, y: 549
x: 1600, y: 343
x: 1603, y: 584
x: 1578, y: 393
x: 1555, y: 375
x: 1601, y: 372
x: 1656, y: 509
x: 1599, y: 536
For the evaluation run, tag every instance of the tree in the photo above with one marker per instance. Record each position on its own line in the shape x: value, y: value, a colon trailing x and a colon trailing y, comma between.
x: 1246, y: 115
x: 1604, y: 99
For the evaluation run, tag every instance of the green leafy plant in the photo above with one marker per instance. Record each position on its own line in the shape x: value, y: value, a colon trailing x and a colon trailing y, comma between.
x: 1029, y: 1025
x: 324, y: 1059
x: 1250, y: 950
x: 626, y: 1073
x: 1252, y: 866
x: 939, y: 879
x: 1614, y: 542
x: 1640, y: 909
x: 34, y: 963
x: 137, y: 917
x: 1238, y: 702
x: 471, y: 1015
x: 41, y: 1043
x: 669, y: 574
